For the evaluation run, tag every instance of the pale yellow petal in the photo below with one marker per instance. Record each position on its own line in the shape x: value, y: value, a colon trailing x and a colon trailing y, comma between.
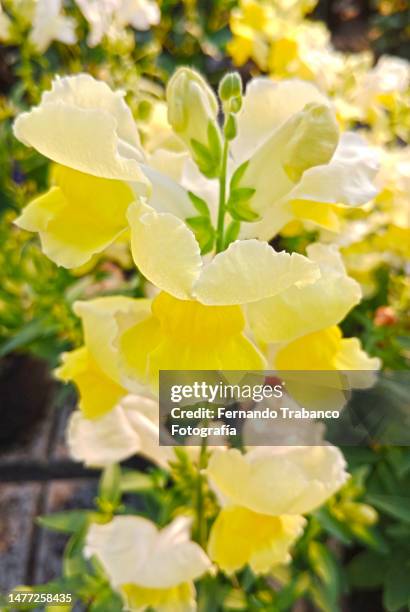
x: 78, y: 217
x: 98, y: 393
x: 165, y: 250
x: 250, y: 270
x: 82, y: 124
x: 103, y: 320
x: 302, y: 310
x: 266, y: 106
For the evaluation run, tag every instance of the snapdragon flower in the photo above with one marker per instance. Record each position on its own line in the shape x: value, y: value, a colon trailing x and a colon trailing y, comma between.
x: 150, y: 568
x: 131, y: 427
x: 106, y: 17
x: 265, y: 492
x: 285, y: 162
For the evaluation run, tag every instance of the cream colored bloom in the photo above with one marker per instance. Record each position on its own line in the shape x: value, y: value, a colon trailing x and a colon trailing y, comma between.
x: 302, y: 310
x: 150, y: 568
x: 276, y: 481
x: 131, y: 427
x: 240, y: 537
x: 81, y: 123
x: 106, y: 16
x: 50, y: 24
x: 276, y: 120
x: 5, y: 25
x: 263, y: 494
x: 168, y: 254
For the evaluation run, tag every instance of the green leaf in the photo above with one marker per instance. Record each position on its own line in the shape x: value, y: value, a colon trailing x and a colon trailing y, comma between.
x: 204, y: 232
x: 205, y: 159
x: 371, y: 537
x: 200, y: 204
x: 133, y: 482
x: 106, y: 601
x: 242, y: 212
x: 65, y: 522
x: 240, y: 194
x: 326, y: 568
x: 232, y: 233
x: 37, y: 328
x: 367, y: 570
x: 238, y: 174
x: 397, y: 584
x: 396, y: 506
x: 109, y: 488
x: 333, y: 526
x: 293, y: 591
x: 74, y: 563
x: 238, y: 204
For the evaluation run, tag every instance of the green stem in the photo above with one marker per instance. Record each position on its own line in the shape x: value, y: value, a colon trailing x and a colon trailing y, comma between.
x: 201, y: 528
x: 222, y: 197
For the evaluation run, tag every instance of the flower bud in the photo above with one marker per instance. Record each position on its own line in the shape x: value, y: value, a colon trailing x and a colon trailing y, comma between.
x: 230, y: 87
x: 192, y: 113
x: 230, y: 129
x: 363, y: 514
x: 313, y: 139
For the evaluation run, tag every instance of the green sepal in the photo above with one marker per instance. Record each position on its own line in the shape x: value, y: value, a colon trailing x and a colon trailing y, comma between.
x: 204, y: 232
x: 232, y: 233
x: 238, y: 174
x: 238, y: 205
x: 208, y: 158
x: 200, y: 205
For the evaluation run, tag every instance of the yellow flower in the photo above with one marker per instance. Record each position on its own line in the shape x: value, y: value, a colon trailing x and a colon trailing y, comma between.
x: 277, y: 480
x: 150, y: 568
x: 297, y: 164
x: 79, y: 216
x: 294, y: 313
x: 94, y: 368
x: 240, y: 536
x: 264, y: 493
x: 325, y: 350
x: 80, y: 123
x: 187, y: 335
x: 98, y: 392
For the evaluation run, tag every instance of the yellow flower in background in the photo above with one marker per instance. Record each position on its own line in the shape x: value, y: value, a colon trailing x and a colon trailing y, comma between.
x: 150, y: 568
x: 325, y: 350
x: 277, y: 480
x: 240, y: 537
x: 264, y: 492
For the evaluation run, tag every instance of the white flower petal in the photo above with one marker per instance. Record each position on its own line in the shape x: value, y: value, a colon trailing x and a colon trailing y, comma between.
x: 250, y: 270
x: 164, y: 249
x: 266, y: 105
x: 133, y: 551
x: 347, y: 179
x: 84, y: 125
x: 167, y: 195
